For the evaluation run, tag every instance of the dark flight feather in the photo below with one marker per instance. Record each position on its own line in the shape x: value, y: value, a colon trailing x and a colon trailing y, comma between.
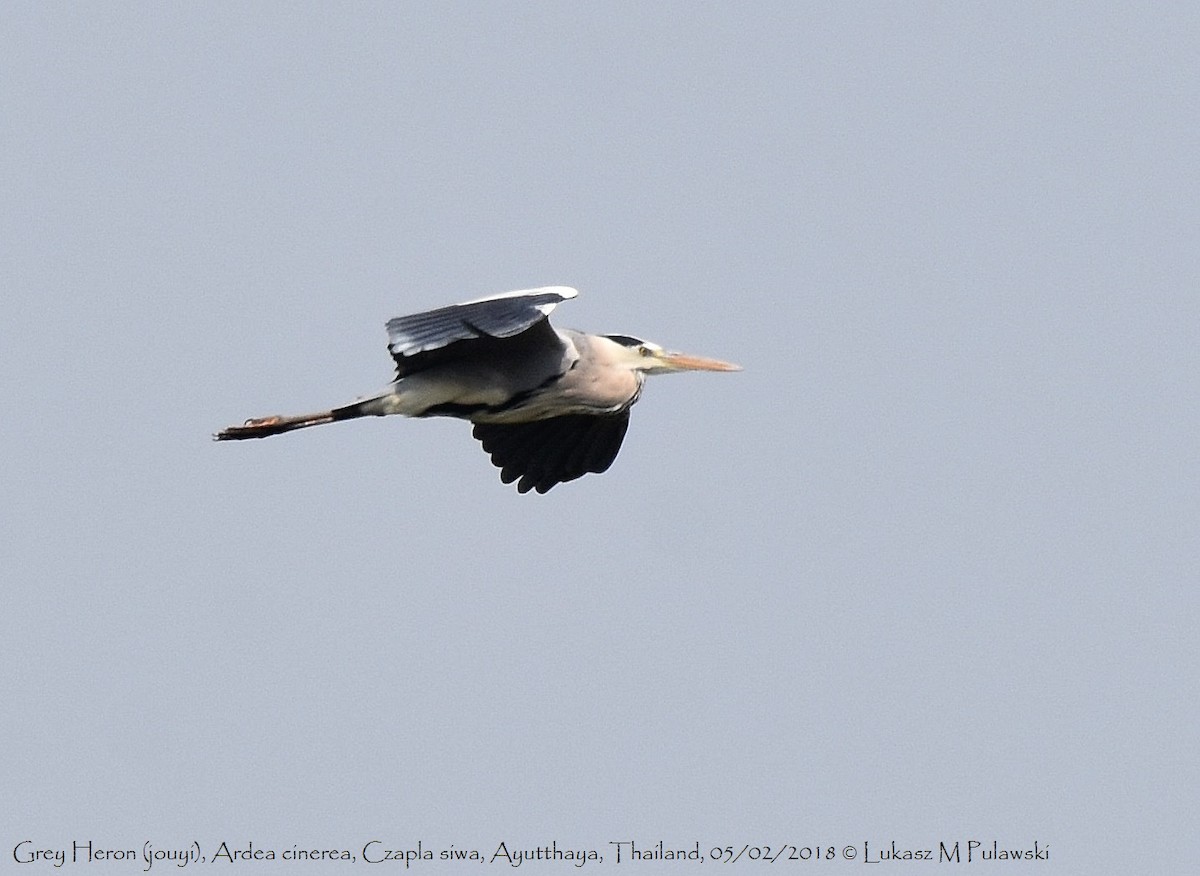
x: 544, y: 453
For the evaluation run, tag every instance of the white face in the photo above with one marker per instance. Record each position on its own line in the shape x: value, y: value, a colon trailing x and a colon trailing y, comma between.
x: 646, y: 357
x: 648, y: 350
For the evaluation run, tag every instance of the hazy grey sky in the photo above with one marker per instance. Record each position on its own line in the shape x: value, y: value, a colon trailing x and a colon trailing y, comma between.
x: 925, y: 571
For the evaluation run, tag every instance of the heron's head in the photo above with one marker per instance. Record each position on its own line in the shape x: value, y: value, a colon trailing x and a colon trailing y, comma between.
x: 650, y: 358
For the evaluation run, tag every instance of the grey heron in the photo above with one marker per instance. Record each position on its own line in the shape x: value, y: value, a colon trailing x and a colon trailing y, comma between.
x: 549, y: 405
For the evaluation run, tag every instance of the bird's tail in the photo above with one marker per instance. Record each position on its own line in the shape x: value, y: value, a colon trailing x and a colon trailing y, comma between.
x: 265, y: 426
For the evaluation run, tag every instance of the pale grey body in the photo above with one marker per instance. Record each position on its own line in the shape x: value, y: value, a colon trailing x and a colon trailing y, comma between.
x: 578, y: 367
x: 548, y: 404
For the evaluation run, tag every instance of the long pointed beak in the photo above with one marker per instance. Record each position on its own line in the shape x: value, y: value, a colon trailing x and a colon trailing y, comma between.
x: 684, y: 362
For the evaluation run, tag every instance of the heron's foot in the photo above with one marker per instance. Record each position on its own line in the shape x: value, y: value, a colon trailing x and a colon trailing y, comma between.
x: 259, y: 427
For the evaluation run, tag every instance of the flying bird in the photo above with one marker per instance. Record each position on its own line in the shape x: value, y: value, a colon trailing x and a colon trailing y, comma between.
x: 549, y: 405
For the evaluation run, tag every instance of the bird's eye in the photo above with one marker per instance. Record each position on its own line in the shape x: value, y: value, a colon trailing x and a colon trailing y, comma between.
x: 645, y: 351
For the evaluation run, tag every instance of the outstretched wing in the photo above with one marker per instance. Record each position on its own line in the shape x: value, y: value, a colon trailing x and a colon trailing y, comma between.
x: 543, y: 453
x: 415, y: 341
